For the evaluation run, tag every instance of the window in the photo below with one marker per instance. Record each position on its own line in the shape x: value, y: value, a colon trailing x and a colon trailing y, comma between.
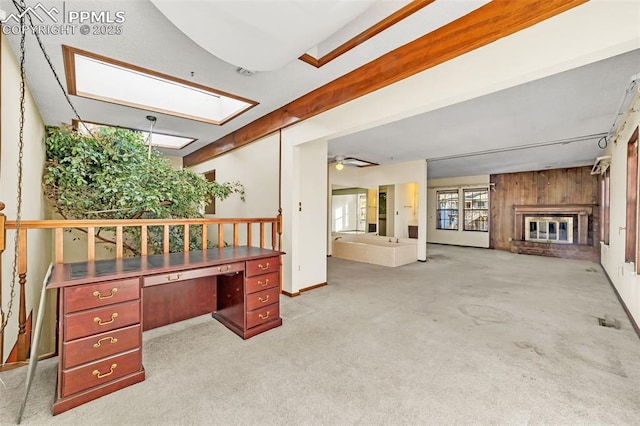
x: 211, y: 207
x: 476, y: 210
x: 160, y: 140
x: 447, y: 210
x: 97, y: 77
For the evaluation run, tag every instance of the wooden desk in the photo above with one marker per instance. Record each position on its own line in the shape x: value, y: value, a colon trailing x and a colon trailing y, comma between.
x: 105, y: 305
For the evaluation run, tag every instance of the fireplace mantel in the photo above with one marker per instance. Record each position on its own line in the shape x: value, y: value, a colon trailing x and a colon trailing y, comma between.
x: 583, y: 211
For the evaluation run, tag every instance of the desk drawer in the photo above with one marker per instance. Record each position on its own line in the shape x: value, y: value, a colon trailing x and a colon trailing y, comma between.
x: 101, y: 345
x: 262, y: 282
x: 100, y: 372
x: 89, y: 296
x: 193, y: 273
x: 99, y: 320
x: 263, y: 298
x: 263, y: 266
x: 263, y: 315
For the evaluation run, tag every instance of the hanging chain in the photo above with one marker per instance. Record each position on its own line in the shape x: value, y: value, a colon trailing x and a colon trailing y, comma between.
x: 16, y: 241
x: 20, y: 5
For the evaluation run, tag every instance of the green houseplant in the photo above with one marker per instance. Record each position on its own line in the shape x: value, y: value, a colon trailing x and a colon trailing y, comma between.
x: 110, y: 175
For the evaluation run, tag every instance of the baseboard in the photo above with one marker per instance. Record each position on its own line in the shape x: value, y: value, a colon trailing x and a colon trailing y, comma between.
x: 302, y: 290
x: 11, y: 366
x: 313, y: 287
x: 624, y: 306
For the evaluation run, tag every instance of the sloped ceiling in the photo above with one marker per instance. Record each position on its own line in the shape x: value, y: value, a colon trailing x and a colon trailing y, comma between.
x: 253, y: 42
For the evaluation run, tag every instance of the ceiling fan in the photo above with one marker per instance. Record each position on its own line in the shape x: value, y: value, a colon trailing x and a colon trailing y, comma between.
x: 340, y: 161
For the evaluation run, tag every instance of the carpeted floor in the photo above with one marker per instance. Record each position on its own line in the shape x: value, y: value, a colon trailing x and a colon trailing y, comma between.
x: 472, y: 336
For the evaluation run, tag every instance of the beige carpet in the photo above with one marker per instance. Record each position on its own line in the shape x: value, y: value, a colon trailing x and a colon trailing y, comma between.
x: 472, y: 336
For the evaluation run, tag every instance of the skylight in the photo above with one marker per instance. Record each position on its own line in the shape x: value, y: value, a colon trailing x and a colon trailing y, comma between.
x: 158, y: 140
x: 98, y: 77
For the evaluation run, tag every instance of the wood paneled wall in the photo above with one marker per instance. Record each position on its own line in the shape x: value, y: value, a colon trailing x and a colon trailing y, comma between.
x: 573, y: 185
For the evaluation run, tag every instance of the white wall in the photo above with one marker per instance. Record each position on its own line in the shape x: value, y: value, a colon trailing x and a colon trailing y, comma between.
x: 623, y: 275
x: 405, y: 200
x: 304, y: 219
x: 256, y: 167
x: 33, y: 203
x: 459, y: 237
x: 310, y: 267
x: 176, y: 162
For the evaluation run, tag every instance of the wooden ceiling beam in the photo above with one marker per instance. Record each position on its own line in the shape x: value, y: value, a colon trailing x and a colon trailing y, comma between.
x: 491, y: 22
x: 404, y: 12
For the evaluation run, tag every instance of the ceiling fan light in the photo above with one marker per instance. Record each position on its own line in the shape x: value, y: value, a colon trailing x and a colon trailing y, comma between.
x: 339, y: 166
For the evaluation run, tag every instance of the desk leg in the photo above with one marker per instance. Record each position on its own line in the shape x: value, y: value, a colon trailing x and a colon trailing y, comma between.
x: 230, y: 309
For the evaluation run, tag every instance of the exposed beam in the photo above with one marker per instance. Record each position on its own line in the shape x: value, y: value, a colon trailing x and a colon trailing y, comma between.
x: 370, y: 32
x: 489, y: 23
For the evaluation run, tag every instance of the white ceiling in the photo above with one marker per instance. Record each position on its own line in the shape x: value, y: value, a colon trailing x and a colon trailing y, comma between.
x: 552, y: 122
x: 253, y: 42
x: 564, y: 107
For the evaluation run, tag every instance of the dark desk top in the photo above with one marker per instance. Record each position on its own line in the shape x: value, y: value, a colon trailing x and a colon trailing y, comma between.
x: 66, y: 274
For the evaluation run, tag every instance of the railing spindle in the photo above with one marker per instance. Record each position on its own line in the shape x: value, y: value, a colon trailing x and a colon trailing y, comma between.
x: 220, y: 235
x: 186, y: 238
x: 59, y: 238
x: 205, y: 242
x: 143, y: 240
x: 273, y: 236
x: 249, y: 233
x: 261, y: 234
x: 22, y: 310
x: 235, y: 234
x: 3, y: 236
x: 165, y: 240
x: 119, y: 241
x: 91, y: 243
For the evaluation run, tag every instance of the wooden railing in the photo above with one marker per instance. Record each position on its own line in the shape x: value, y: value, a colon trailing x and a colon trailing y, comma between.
x: 260, y: 232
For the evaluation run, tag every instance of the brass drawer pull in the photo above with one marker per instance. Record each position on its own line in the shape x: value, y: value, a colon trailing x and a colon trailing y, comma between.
x: 100, y: 376
x: 111, y: 340
x: 265, y: 300
x: 264, y: 317
x: 113, y: 318
x: 178, y: 275
x: 265, y: 283
x: 263, y: 267
x: 224, y: 268
x: 109, y: 296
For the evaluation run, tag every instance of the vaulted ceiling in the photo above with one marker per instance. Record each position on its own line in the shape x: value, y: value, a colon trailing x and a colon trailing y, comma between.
x: 552, y: 122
